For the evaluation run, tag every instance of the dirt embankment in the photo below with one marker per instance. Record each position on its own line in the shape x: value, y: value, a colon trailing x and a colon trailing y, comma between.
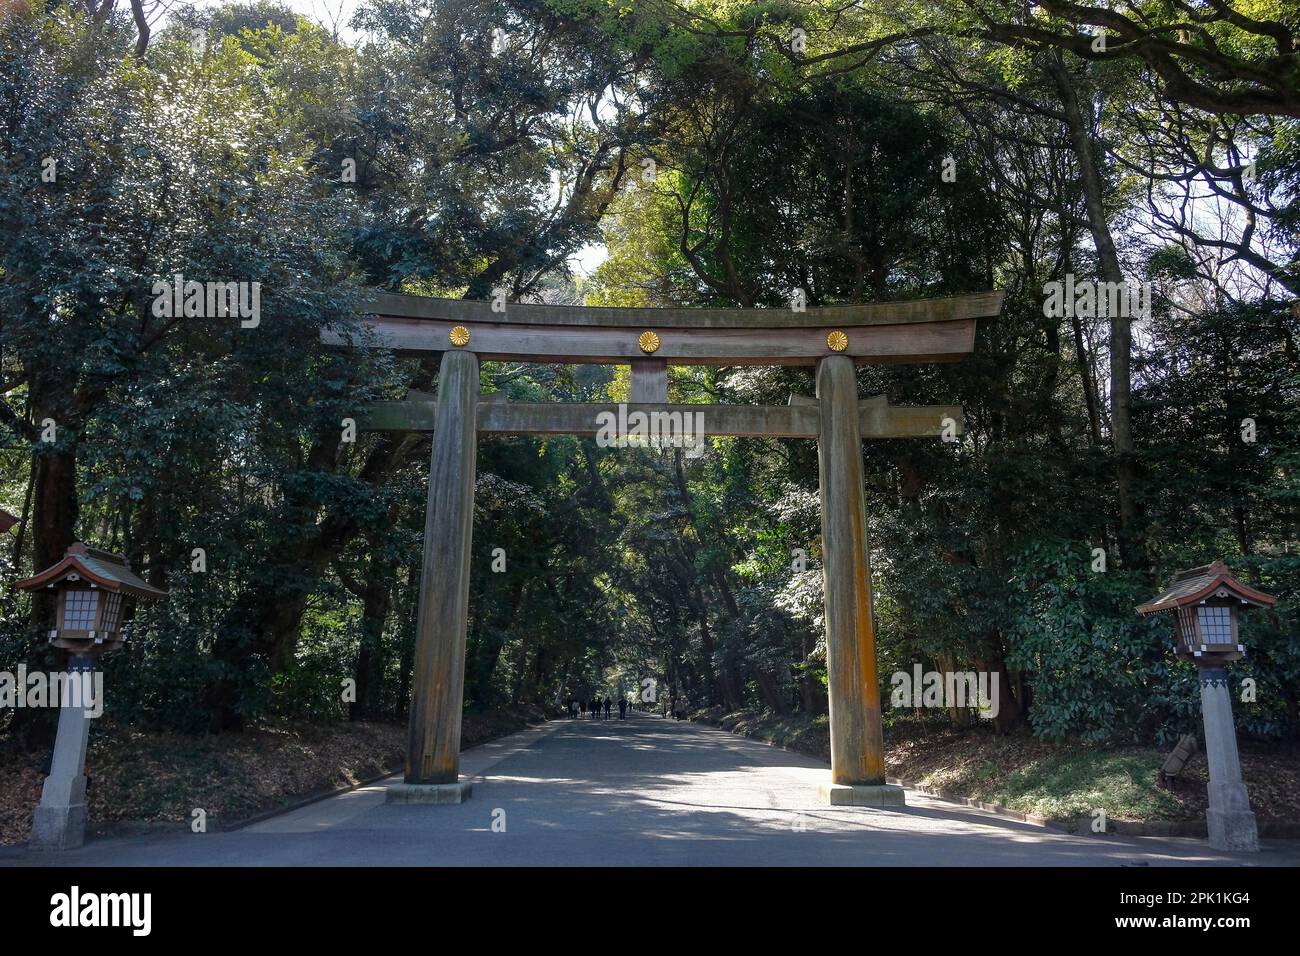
x: 146, y: 777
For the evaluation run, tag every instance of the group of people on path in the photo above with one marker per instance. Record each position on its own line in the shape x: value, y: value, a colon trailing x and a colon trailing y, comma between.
x: 593, y: 708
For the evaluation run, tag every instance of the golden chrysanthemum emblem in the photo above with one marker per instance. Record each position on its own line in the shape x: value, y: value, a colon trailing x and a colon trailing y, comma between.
x: 649, y: 342
x: 459, y: 336
x: 837, y: 341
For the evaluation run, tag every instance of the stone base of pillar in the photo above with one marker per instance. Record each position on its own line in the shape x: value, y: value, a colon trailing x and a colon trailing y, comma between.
x: 862, y: 795
x: 1232, y: 830
x: 457, y: 792
x: 58, y: 828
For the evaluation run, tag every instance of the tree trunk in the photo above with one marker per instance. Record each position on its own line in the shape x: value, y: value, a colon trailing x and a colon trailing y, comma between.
x: 771, y: 691
x: 1008, y: 708
x: 376, y: 603
x: 1086, y: 381
x: 1121, y: 331
x: 957, y: 716
x: 406, y: 663
x: 812, y: 695
x: 55, y: 522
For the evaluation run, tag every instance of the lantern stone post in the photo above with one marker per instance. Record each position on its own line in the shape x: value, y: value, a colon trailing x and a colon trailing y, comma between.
x: 1206, y: 602
x: 1229, y: 819
x: 60, y: 819
x: 92, y: 587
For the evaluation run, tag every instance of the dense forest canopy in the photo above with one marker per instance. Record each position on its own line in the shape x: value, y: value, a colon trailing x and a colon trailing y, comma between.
x: 725, y: 153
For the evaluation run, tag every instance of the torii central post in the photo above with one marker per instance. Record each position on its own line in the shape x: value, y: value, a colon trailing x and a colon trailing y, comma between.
x: 833, y: 339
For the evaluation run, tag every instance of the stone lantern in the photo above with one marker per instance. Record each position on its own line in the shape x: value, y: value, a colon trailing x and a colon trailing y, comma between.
x: 1206, y: 602
x: 92, y: 588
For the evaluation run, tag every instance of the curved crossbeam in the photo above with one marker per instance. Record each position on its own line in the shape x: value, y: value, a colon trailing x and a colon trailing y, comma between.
x: 923, y: 330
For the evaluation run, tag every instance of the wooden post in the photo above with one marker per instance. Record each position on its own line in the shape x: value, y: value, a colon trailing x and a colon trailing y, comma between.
x: 857, y: 743
x: 649, y: 381
x: 433, y: 739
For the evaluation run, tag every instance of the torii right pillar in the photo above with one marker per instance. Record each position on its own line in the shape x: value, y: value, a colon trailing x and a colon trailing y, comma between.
x: 857, y: 741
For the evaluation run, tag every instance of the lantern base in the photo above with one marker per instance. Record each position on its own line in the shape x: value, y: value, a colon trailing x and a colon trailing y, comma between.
x: 1232, y: 830
x: 58, y: 828
x: 862, y: 795
x: 457, y: 792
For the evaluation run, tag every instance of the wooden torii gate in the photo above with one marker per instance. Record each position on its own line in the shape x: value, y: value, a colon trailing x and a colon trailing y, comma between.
x: 834, y: 339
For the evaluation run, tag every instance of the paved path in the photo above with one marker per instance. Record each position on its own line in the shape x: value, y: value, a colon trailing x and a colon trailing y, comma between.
x: 641, y: 792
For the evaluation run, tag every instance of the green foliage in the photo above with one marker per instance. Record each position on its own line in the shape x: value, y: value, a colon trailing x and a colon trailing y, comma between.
x: 1098, y: 671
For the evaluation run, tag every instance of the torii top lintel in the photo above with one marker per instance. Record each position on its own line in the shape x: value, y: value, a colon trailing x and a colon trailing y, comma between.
x: 921, y: 330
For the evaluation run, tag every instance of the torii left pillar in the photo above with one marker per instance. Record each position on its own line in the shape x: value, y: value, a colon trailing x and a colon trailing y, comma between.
x: 438, y: 684
x: 857, y: 740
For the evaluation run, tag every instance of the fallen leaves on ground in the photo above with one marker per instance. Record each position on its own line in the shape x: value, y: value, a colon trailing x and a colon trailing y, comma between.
x: 161, y: 777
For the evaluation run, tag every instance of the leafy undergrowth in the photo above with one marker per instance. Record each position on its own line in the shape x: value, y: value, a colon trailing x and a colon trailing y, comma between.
x: 1057, y: 781
x: 138, y: 777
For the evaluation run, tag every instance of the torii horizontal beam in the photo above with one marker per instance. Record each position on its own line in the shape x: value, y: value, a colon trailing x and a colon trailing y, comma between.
x: 923, y: 330
x: 876, y: 418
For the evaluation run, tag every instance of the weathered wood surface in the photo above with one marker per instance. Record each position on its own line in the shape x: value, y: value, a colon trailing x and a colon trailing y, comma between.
x: 546, y: 418
x: 649, y: 381
x: 798, y: 420
x: 437, y: 698
x: 878, y: 419
x: 857, y: 741
x: 877, y: 343
x: 468, y: 312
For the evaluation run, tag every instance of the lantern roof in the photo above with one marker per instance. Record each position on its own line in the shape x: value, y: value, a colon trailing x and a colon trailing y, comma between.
x: 1196, y: 584
x: 101, y: 568
x: 7, y: 520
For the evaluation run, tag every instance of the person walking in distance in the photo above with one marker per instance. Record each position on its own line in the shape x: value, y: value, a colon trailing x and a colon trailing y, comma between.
x: 609, y: 705
x: 622, y: 708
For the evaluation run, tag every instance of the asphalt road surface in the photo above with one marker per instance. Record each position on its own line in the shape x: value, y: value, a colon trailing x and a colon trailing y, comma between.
x: 645, y: 791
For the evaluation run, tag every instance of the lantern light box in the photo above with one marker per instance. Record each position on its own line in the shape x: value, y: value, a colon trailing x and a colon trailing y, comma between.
x: 1205, y: 602
x: 92, y: 587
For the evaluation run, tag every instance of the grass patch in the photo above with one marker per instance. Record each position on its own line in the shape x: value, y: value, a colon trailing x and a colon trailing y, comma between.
x: 1059, y: 781
x: 1074, y: 784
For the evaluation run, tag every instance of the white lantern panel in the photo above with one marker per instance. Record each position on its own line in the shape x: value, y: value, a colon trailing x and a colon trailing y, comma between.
x: 1216, y: 625
x: 79, y: 610
x: 112, y: 612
